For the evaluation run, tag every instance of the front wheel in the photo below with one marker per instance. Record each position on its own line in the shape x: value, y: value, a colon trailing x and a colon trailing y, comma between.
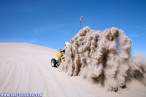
x: 53, y: 62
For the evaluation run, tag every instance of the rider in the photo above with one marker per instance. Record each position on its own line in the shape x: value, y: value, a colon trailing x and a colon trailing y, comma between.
x: 60, y: 55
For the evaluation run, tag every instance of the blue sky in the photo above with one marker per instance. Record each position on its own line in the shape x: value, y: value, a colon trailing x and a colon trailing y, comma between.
x: 52, y: 22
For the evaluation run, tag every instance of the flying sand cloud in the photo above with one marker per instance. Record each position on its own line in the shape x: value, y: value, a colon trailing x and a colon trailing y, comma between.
x: 103, y: 56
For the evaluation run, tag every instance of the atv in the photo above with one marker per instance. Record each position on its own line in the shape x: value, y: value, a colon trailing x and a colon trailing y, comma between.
x: 58, y: 59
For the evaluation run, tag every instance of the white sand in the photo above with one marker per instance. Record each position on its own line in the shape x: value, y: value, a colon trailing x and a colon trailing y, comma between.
x: 26, y: 68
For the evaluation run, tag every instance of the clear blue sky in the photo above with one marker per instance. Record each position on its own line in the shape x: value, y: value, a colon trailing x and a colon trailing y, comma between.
x: 52, y: 22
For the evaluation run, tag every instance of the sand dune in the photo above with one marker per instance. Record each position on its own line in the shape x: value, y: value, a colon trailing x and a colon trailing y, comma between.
x: 26, y: 68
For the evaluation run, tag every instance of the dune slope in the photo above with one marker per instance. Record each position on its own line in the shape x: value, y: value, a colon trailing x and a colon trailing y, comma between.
x: 26, y: 68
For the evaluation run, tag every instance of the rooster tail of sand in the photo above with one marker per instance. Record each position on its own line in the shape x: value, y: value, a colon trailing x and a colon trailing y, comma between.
x: 105, y: 57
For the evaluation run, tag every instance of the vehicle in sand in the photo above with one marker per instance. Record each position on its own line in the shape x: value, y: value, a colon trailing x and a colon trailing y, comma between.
x: 58, y: 58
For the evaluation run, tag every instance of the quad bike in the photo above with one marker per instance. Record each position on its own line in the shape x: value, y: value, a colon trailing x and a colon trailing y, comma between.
x: 55, y: 62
